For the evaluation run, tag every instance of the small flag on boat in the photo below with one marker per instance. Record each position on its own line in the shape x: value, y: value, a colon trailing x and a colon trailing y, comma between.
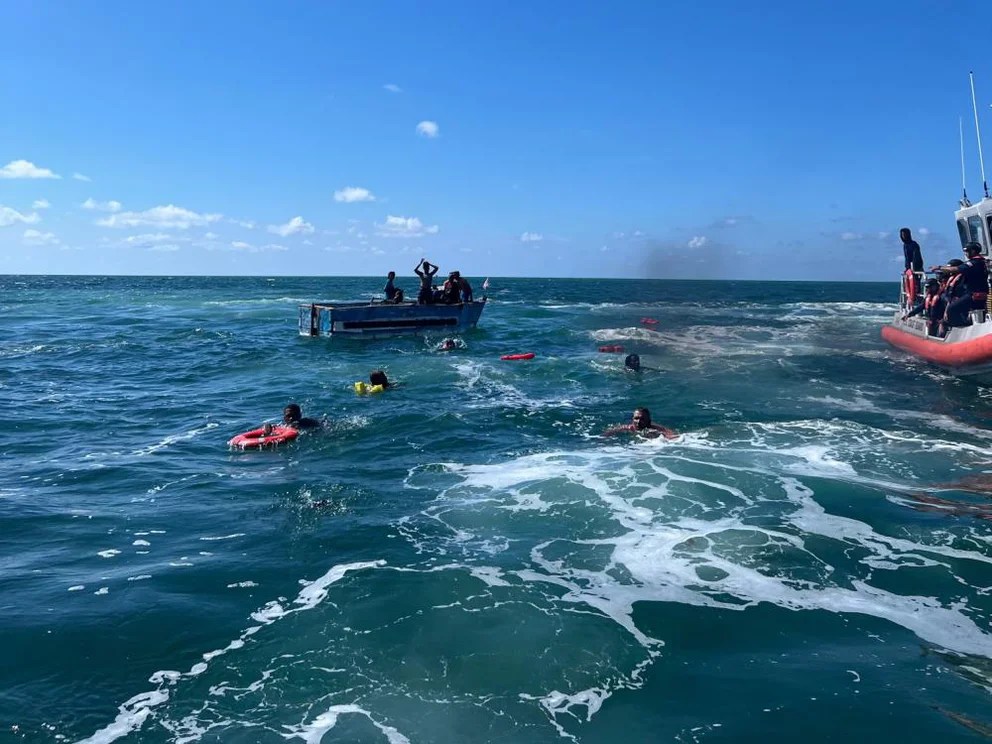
x: 485, y: 284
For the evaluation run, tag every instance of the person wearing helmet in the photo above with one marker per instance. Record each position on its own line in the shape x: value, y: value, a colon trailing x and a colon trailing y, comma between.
x: 932, y: 306
x: 967, y: 287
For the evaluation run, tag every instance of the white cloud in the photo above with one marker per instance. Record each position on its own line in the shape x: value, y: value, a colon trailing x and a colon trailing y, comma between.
x: 34, y: 237
x: 10, y: 216
x: 530, y: 237
x: 392, y: 88
x: 41, y: 204
x: 81, y: 177
x: 697, y: 241
x: 882, y: 235
x: 107, y: 206
x: 274, y: 247
x: 247, y: 224
x: 428, y: 129
x: 851, y: 236
x: 297, y: 225
x: 148, y: 239
x: 211, y: 236
x: 351, y: 194
x: 164, y: 247
x: 404, y: 227
x: 923, y: 232
x: 164, y: 218
x: 25, y: 169
x: 240, y: 244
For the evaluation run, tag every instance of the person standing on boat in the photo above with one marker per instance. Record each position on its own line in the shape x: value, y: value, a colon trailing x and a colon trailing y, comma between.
x: 426, y: 296
x: 911, y: 251
x: 913, y: 267
x: 968, y: 286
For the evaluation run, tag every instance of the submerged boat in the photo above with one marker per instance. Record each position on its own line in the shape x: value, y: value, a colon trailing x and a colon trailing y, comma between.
x: 376, y: 318
x: 964, y: 351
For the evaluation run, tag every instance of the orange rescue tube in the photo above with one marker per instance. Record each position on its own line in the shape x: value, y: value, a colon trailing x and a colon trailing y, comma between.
x: 257, y: 439
x: 614, y: 349
x: 516, y: 357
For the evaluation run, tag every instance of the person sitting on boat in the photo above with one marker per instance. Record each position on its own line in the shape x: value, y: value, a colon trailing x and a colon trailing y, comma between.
x: 426, y: 295
x: 932, y: 306
x: 466, y: 288
x: 451, y: 292
x: 640, y: 423
x: 292, y: 416
x: 968, y: 286
x: 393, y: 294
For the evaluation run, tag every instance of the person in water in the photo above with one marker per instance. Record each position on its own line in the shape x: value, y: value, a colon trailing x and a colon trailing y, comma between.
x: 426, y: 295
x: 293, y: 417
x: 378, y: 377
x: 632, y: 363
x: 968, y: 286
x: 447, y: 345
x: 393, y: 293
x: 640, y: 423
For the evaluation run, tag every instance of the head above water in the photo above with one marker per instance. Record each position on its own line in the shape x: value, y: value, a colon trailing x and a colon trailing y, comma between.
x: 905, y: 235
x: 292, y: 413
x: 633, y: 361
x: 641, y: 418
x: 378, y: 377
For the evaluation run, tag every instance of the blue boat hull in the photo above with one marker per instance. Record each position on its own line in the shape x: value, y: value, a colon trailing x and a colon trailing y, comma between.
x: 387, y: 319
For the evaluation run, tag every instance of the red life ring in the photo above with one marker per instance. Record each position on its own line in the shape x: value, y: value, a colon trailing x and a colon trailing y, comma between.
x: 614, y: 349
x: 515, y: 357
x: 256, y: 439
x: 649, y: 321
x: 909, y: 287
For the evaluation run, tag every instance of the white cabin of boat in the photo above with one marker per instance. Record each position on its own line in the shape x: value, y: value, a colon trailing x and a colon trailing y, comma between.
x: 975, y: 223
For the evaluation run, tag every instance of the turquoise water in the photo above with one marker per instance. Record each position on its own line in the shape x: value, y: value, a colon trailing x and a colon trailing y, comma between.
x: 464, y: 558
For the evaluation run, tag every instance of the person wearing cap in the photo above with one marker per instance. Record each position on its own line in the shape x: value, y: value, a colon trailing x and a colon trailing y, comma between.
x: 967, y: 287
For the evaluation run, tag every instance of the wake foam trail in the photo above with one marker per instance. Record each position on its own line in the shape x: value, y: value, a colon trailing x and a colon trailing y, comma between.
x: 133, y: 713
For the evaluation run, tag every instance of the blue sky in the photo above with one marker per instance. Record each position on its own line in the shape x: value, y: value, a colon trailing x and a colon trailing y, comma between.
x: 685, y: 140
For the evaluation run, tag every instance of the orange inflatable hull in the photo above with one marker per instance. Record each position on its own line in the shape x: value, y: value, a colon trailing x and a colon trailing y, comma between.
x: 958, y: 356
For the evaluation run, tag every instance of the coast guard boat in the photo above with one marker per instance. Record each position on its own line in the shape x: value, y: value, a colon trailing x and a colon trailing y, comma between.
x: 967, y: 351
x: 377, y: 318
x: 964, y: 351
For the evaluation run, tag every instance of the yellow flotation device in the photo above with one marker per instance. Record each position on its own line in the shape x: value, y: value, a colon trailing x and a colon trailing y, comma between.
x: 363, y: 388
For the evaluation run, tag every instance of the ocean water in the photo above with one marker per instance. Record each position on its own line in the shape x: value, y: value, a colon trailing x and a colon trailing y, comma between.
x: 464, y: 558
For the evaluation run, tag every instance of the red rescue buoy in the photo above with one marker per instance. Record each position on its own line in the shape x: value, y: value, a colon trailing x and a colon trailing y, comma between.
x: 649, y: 321
x: 614, y: 349
x: 515, y: 357
x: 258, y: 439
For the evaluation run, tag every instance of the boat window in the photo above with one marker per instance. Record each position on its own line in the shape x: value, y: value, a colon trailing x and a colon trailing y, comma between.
x: 963, y: 232
x: 976, y: 231
x: 989, y: 221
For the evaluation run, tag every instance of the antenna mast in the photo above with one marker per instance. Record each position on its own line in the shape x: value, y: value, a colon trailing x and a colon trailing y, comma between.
x: 978, y: 133
x: 964, y: 187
